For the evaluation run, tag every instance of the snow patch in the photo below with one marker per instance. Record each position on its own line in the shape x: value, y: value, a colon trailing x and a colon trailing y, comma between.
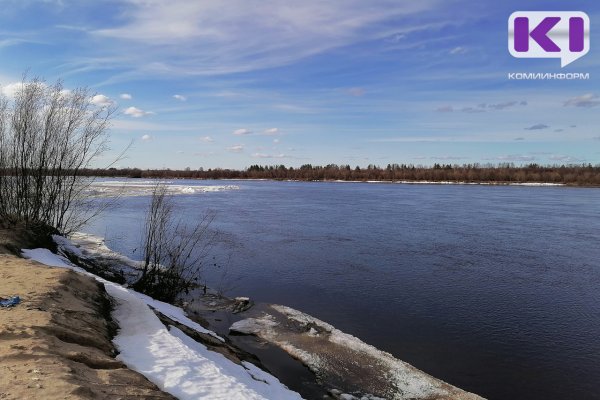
x: 410, y: 381
x: 173, y: 361
x: 129, y: 188
x: 252, y: 326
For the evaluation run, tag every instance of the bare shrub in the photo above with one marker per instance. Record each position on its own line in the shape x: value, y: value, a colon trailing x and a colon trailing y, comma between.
x: 48, y: 135
x: 174, y: 251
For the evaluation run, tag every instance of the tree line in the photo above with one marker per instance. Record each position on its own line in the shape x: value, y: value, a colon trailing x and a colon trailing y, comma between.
x: 576, y: 175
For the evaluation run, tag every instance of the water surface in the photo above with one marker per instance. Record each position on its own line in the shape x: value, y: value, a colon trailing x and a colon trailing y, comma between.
x: 495, y: 289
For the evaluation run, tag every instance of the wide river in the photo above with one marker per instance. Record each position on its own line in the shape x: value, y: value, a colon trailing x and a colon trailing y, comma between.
x: 495, y: 289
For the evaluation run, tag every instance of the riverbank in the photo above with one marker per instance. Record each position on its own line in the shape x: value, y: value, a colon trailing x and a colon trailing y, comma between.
x: 56, y: 343
x: 308, y: 355
x: 60, y: 342
x: 571, y: 174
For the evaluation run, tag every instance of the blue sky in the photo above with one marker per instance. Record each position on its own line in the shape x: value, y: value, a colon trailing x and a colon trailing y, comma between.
x: 233, y: 83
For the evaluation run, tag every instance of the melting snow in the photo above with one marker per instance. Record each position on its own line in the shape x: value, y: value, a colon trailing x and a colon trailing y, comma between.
x: 143, y: 188
x: 173, y: 361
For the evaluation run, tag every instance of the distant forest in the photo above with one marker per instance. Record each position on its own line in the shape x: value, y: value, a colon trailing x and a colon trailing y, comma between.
x: 576, y: 175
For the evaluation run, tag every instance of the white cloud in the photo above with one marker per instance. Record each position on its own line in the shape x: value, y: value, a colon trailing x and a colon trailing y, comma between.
x: 207, y: 139
x: 136, y: 112
x: 262, y: 155
x: 101, y: 100
x: 448, y: 158
x: 146, y: 137
x: 514, y: 157
x: 483, y: 107
x: 242, y: 131
x: 11, y: 89
x: 587, y: 100
x: 245, y: 35
x: 126, y: 96
x: 276, y: 141
x: 179, y: 97
x: 563, y: 158
x: 271, y: 131
x: 238, y: 148
x: 458, y: 50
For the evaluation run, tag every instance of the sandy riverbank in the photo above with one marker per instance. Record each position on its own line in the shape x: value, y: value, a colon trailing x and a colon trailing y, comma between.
x: 56, y: 344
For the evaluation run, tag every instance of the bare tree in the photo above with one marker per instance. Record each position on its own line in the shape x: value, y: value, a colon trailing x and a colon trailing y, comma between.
x: 48, y: 135
x: 174, y: 250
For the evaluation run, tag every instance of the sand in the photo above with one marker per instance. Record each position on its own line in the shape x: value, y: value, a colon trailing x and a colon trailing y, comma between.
x: 56, y: 343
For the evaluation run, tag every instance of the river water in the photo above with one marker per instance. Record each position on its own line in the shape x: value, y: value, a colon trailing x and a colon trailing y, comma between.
x: 494, y: 289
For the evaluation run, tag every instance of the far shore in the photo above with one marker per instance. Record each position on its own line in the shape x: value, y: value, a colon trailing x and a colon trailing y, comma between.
x: 390, y: 182
x: 489, y: 174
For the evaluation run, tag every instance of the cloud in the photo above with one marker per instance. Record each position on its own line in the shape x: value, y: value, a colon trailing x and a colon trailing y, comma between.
x: 537, y: 127
x: 596, y: 138
x: 448, y: 158
x: 244, y: 35
x: 472, y: 110
x: 179, y: 97
x: 126, y: 96
x: 502, y: 106
x: 238, y: 148
x: 519, y: 138
x: 395, y: 38
x: 276, y: 140
x: 241, y: 132
x: 563, y: 158
x: 513, y: 157
x: 136, y: 112
x: 356, y: 91
x: 559, y: 130
x: 587, y: 100
x: 483, y: 107
x: 458, y: 50
x: 11, y: 89
x: 294, y: 108
x: 262, y: 155
x: 101, y: 100
x: 207, y: 139
x: 271, y: 132
x: 146, y: 137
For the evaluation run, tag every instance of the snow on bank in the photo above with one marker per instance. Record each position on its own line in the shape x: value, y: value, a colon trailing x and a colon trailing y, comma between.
x: 411, y: 382
x: 90, y: 247
x: 130, y: 188
x: 477, y: 183
x: 173, y: 361
x: 329, y: 352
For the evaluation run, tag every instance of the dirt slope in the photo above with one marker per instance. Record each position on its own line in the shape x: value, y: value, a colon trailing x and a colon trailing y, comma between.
x: 56, y: 343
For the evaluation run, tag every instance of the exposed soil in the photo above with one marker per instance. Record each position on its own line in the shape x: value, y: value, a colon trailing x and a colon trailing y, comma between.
x: 56, y: 344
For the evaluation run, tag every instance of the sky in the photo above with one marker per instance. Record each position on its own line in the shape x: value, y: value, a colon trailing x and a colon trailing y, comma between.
x: 229, y: 84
